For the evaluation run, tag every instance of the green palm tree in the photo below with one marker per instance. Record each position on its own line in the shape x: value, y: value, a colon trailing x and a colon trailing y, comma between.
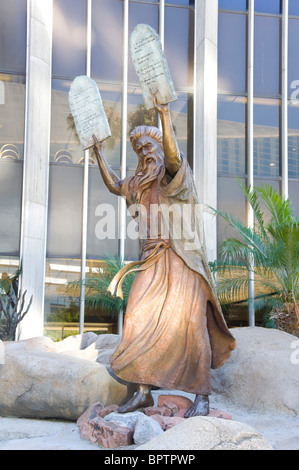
x: 96, y: 285
x: 270, y: 250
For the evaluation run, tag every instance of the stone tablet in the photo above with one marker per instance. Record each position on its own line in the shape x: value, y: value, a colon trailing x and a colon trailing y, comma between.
x: 87, y: 109
x: 151, y: 66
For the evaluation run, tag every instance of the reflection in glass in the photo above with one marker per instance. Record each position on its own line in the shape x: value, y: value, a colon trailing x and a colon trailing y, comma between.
x: 293, y: 139
x: 266, y: 6
x: 240, y: 5
x: 13, y: 24
x: 230, y: 199
x: 61, y: 301
x: 102, y: 228
x: 64, y: 145
x: 293, y: 7
x: 69, y: 38
x: 106, y: 49
x: 231, y: 135
x: 140, y: 13
x: 181, y: 2
x: 11, y: 176
x: 232, y: 53
x: 111, y: 96
x: 12, y: 117
x: 179, y: 45
x: 266, y: 137
x: 267, y: 56
x: 293, y: 62
x: 8, y: 266
x: 65, y: 211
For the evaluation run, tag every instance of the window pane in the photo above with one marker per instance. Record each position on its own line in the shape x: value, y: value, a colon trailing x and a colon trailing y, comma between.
x: 266, y: 137
x: 181, y: 2
x: 65, y: 210
x: 267, y: 6
x: 8, y: 266
x: 231, y: 199
x: 12, y: 117
x: 231, y: 135
x: 267, y: 56
x: 106, y: 49
x: 293, y: 65
x: 64, y: 146
x: 233, y: 5
x: 294, y: 195
x: 11, y: 175
x: 12, y: 122
x: 293, y: 7
x: 69, y: 38
x: 232, y: 53
x: 111, y: 97
x: 179, y: 45
x: 102, y: 236
x: 293, y: 122
x: 61, y: 301
x: 13, y: 36
x: 140, y: 13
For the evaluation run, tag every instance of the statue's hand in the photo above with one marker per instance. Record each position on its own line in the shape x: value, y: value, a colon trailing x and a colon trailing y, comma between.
x: 161, y: 108
x: 98, y: 146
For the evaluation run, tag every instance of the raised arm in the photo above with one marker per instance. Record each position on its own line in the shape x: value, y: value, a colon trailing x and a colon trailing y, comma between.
x: 111, y: 180
x: 171, y: 150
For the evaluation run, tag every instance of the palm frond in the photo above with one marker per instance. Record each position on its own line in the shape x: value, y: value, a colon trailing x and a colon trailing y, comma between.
x: 96, y: 285
x: 253, y: 198
x: 270, y: 249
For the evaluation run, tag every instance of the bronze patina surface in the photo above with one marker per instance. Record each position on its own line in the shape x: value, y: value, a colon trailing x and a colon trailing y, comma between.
x: 174, y: 331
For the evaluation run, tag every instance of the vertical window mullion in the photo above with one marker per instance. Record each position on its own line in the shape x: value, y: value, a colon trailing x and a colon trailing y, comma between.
x: 250, y: 153
x: 123, y: 164
x: 85, y: 183
x: 284, y: 100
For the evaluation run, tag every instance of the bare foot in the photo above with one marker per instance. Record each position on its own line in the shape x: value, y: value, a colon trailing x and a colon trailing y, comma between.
x: 141, y: 399
x: 200, y: 407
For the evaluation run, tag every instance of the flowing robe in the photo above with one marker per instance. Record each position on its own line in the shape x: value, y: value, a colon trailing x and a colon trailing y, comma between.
x: 174, y: 330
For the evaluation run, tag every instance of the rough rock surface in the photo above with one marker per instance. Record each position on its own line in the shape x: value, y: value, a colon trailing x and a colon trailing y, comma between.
x: 205, y: 433
x: 110, y: 429
x: 260, y: 373
x: 144, y: 425
x: 43, y: 379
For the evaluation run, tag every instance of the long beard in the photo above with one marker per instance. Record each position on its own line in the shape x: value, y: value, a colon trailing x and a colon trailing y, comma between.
x: 149, y: 171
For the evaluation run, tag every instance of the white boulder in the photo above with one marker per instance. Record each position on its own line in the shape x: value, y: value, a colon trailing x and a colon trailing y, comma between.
x: 261, y: 373
x: 43, y: 379
x: 204, y: 433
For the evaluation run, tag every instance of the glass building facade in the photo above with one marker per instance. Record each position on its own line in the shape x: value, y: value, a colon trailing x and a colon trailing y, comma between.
x: 257, y: 124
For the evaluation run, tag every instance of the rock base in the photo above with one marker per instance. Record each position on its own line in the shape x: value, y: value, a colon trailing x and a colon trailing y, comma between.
x: 109, y: 429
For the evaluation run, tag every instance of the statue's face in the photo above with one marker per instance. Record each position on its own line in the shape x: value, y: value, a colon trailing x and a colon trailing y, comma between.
x: 148, y: 151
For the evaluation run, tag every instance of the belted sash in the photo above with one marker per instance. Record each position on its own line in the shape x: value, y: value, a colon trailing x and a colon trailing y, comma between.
x: 115, y: 287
